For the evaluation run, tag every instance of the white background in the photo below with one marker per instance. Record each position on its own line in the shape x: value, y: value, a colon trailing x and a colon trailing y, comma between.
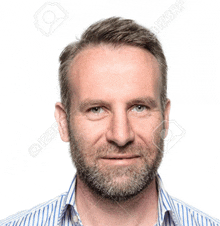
x: 28, y: 93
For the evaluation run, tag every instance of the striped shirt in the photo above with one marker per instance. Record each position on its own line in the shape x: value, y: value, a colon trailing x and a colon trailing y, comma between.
x: 62, y: 211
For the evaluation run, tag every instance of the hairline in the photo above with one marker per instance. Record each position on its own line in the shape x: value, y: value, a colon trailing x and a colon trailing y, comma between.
x: 114, y: 46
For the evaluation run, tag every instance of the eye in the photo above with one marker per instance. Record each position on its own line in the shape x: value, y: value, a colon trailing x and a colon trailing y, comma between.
x: 96, y: 110
x: 139, y: 108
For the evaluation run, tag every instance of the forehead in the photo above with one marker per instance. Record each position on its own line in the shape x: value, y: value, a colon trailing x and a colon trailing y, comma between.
x: 108, y: 71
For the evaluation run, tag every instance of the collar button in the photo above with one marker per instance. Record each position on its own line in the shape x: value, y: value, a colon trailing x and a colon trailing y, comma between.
x: 75, y: 219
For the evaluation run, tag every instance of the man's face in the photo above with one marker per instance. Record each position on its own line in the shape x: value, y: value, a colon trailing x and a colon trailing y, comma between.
x: 115, y: 110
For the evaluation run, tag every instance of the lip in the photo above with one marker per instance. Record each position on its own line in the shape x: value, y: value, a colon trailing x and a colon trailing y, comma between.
x: 120, y: 160
x: 120, y: 157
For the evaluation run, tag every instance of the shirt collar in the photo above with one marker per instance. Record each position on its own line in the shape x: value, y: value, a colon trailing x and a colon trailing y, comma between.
x: 70, y: 200
x: 165, y: 203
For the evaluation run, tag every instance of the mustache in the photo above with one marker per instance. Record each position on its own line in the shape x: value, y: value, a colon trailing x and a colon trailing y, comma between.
x: 107, y: 149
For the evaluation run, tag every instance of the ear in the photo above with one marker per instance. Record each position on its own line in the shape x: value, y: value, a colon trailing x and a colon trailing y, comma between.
x: 166, y: 117
x: 61, y: 118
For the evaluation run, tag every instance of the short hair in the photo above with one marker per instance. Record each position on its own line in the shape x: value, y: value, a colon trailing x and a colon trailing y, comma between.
x: 117, y: 32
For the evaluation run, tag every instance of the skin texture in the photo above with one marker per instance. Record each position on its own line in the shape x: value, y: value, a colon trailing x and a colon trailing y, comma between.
x: 115, y: 113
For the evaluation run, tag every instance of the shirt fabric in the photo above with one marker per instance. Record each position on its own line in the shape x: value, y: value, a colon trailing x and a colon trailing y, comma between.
x: 62, y: 211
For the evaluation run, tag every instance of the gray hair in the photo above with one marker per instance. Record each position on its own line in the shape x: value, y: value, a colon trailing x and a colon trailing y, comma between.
x: 117, y: 32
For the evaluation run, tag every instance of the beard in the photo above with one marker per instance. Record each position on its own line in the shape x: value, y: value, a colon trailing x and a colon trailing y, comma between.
x: 116, y: 183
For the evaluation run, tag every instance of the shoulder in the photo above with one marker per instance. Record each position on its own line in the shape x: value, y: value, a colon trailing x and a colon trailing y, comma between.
x: 43, y: 212
x: 189, y: 215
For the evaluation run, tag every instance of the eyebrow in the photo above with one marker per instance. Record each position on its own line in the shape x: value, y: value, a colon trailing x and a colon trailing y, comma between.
x: 88, y: 103
x: 145, y: 101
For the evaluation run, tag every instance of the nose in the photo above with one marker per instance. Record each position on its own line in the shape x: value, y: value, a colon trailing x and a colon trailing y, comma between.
x: 120, y: 131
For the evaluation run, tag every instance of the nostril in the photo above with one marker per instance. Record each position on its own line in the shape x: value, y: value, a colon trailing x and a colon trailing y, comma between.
x: 121, y: 146
x: 120, y: 131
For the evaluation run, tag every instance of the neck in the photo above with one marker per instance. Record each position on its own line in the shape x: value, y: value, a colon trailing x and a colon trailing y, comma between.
x: 139, y: 210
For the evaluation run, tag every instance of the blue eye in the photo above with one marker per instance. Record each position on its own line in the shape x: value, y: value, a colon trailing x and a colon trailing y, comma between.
x: 96, y: 110
x: 140, y: 108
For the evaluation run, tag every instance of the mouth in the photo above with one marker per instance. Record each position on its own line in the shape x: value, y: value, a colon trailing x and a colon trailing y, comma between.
x: 120, y: 159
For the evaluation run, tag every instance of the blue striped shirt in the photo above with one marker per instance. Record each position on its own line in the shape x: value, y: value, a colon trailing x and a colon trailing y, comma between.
x: 62, y: 211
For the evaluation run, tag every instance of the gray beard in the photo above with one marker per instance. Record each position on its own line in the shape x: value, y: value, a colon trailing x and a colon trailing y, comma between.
x: 101, y: 180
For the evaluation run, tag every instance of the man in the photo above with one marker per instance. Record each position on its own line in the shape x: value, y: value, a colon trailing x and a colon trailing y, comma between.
x: 115, y: 113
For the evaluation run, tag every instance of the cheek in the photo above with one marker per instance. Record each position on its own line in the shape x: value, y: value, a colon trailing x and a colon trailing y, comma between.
x: 89, y: 132
x: 148, y: 127
x: 149, y: 133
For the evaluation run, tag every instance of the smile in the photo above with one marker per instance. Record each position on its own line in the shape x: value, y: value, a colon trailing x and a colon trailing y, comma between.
x: 120, y: 159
